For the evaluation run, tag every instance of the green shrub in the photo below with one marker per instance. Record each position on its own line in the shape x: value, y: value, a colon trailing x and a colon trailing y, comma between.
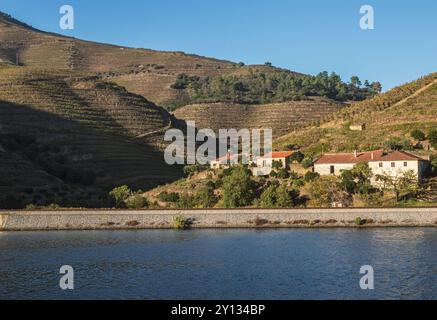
x: 186, y: 201
x: 358, y: 221
x: 310, y: 176
x: 119, y: 195
x: 307, y: 162
x: 418, y: 135
x: 137, y: 202
x: 205, y: 197
x: 181, y: 223
x: 432, y: 137
x: 168, y: 197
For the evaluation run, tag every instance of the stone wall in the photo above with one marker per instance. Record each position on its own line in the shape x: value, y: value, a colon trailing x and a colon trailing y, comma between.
x: 239, y: 218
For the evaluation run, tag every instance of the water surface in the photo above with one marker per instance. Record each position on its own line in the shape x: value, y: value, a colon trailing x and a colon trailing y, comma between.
x: 220, y: 264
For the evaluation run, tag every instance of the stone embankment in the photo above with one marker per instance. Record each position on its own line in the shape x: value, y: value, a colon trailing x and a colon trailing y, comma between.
x: 212, y: 218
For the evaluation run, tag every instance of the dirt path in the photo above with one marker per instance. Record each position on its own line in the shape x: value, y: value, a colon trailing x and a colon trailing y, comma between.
x: 415, y: 94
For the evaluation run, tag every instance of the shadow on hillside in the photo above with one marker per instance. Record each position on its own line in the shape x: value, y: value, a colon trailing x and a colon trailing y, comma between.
x: 115, y: 159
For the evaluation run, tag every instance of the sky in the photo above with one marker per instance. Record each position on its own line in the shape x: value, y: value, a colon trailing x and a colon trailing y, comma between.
x: 306, y: 36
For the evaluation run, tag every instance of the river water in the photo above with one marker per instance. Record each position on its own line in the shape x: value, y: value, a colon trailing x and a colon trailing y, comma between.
x: 220, y: 264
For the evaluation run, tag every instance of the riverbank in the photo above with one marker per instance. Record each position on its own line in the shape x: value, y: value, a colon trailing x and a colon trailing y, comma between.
x: 213, y: 218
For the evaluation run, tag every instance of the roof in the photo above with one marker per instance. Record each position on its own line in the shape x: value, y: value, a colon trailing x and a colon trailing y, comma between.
x: 277, y: 155
x: 377, y: 155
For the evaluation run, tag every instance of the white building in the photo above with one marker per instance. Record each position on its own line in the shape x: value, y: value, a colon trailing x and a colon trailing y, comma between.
x: 382, y: 163
x: 264, y: 164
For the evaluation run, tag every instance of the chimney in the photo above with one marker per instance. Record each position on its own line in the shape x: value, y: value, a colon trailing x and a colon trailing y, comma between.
x: 356, y: 154
x: 371, y: 156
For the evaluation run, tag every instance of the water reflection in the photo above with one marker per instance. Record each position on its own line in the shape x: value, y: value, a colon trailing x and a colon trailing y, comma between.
x: 221, y: 264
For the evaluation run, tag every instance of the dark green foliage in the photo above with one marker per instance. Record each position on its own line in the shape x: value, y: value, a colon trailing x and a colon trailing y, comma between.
x: 278, y: 196
x: 307, y: 162
x: 169, y: 196
x: 432, y: 137
x: 119, y: 195
x: 238, y: 188
x: 278, y: 86
x: 398, y: 144
x: 297, y: 156
x: 137, y: 202
x: 190, y: 170
x: 205, y: 197
x: 418, y: 135
x: 310, y: 176
x: 186, y: 201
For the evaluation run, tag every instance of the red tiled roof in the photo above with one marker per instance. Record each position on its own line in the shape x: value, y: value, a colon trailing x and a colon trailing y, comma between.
x: 278, y: 155
x: 399, y: 156
x: 377, y: 155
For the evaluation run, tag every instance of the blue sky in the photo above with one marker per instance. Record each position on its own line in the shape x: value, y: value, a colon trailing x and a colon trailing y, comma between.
x: 306, y: 36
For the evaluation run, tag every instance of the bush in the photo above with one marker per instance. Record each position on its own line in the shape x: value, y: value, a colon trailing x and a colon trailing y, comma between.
x: 168, y: 197
x: 181, y: 223
x: 137, y: 202
x: 205, y: 197
x: 186, y: 201
x: 310, y: 176
x: 432, y: 137
x: 418, y: 135
x: 297, y: 156
x: 307, y: 162
x: 398, y: 144
x: 238, y: 188
x: 358, y: 221
x: 119, y: 195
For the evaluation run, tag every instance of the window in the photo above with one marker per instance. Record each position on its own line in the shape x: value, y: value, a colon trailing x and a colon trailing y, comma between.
x: 332, y: 169
x: 393, y: 164
x: 381, y: 164
x: 405, y: 164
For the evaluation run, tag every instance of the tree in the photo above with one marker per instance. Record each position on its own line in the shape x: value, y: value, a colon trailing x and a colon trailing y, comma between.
x: 307, y: 162
x: 205, y: 197
x: 268, y: 197
x: 401, y: 184
x: 137, y: 202
x: 297, y: 156
x: 376, y: 87
x: 284, y: 197
x: 362, y: 174
x: 418, y: 135
x: 325, y: 190
x: 238, y: 188
x: 119, y: 195
x: 355, y: 81
x: 432, y: 137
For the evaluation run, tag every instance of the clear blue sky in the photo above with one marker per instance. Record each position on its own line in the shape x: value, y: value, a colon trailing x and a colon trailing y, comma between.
x: 306, y: 36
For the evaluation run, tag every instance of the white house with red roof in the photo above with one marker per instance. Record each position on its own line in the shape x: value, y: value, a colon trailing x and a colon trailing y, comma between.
x: 392, y: 163
x: 264, y: 164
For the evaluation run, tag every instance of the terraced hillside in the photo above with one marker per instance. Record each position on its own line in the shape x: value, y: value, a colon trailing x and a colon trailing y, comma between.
x: 280, y: 117
x: 146, y: 72
x: 391, y: 115
x: 59, y: 137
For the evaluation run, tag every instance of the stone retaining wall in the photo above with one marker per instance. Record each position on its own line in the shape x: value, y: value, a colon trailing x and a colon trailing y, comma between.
x: 239, y: 218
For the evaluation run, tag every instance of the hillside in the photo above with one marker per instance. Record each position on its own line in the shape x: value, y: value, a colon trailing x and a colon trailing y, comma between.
x: 388, y: 116
x: 78, y: 118
x: 57, y: 132
x: 280, y: 117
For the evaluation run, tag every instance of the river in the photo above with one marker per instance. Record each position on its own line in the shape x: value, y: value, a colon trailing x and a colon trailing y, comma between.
x: 220, y: 264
